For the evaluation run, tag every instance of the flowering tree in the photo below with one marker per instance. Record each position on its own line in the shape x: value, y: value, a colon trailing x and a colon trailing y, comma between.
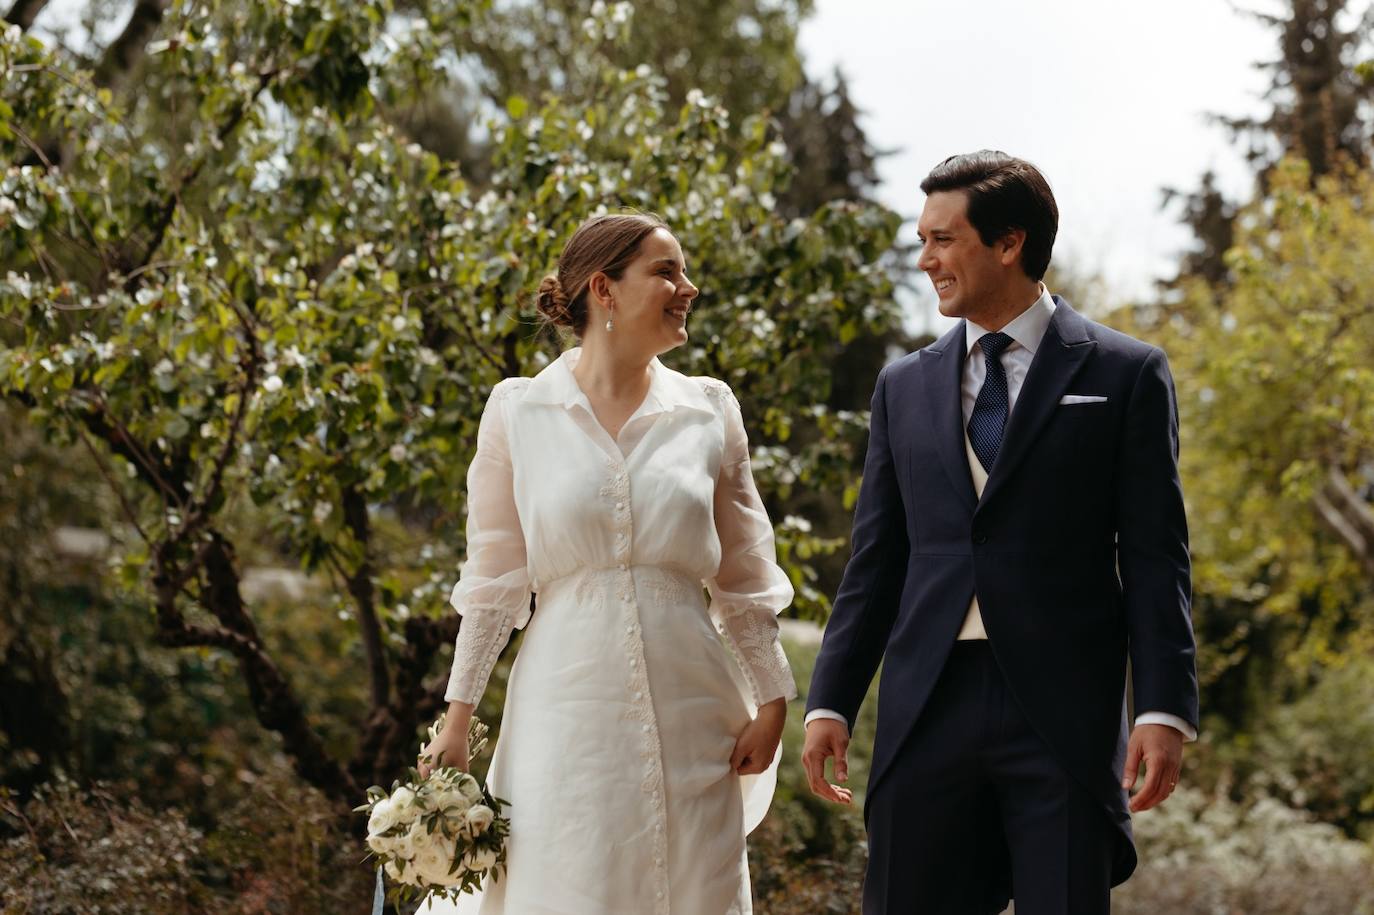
x: 268, y: 314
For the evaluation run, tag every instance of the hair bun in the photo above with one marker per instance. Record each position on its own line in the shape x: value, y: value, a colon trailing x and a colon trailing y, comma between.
x: 552, y: 301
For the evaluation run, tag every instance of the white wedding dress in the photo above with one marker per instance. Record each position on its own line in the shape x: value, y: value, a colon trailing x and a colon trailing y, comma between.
x: 624, y: 701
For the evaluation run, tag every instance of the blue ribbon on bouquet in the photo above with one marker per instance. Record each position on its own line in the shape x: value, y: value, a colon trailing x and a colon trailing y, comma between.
x: 379, y: 897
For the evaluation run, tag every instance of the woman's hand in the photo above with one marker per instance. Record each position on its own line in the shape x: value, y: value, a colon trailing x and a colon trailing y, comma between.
x: 450, y: 748
x: 758, y: 742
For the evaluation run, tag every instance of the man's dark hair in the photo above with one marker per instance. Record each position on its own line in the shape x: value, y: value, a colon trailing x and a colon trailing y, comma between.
x: 1004, y: 193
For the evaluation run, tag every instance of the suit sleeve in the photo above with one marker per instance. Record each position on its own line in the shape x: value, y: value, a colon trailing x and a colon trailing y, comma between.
x: 1152, y: 549
x: 866, y: 604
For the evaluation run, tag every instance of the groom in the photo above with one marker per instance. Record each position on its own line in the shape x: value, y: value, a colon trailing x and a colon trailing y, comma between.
x: 1019, y: 536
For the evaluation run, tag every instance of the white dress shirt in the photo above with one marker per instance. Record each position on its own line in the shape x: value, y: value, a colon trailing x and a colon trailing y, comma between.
x: 1026, y: 331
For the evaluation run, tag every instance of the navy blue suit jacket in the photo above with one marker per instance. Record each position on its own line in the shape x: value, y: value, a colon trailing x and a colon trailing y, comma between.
x: 1077, y: 550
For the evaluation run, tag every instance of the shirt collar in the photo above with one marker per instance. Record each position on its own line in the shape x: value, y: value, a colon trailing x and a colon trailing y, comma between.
x: 1028, y: 328
x: 668, y: 390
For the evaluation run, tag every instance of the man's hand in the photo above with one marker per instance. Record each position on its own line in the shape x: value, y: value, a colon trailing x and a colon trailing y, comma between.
x: 826, y: 737
x: 1160, y: 747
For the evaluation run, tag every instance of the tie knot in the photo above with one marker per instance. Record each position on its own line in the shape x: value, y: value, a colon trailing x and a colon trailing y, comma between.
x: 994, y: 343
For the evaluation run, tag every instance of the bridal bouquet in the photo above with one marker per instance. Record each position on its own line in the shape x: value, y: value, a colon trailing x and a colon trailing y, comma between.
x: 438, y: 835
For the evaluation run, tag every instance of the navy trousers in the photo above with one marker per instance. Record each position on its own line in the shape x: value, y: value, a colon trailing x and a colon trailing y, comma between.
x: 976, y: 795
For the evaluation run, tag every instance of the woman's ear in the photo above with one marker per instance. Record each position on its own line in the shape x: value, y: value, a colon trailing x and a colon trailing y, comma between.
x: 599, y: 286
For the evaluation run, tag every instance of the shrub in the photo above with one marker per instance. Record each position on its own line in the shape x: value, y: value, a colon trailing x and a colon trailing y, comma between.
x: 1212, y: 856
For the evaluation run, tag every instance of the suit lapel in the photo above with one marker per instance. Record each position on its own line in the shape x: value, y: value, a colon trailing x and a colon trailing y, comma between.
x: 943, y: 382
x: 1061, y: 354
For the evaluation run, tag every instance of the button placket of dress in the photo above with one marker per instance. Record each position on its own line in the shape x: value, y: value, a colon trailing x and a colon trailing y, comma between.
x: 640, y: 706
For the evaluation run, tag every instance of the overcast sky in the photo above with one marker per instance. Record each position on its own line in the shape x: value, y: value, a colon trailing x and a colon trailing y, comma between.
x: 1106, y: 97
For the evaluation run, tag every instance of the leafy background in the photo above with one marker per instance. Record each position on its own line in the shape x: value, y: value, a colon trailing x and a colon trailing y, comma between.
x: 260, y: 263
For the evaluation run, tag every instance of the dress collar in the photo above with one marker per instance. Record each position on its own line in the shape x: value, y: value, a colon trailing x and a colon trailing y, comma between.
x: 668, y: 390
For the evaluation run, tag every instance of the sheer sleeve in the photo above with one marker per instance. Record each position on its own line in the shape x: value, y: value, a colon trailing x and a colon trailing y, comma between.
x: 493, y: 591
x: 749, y: 589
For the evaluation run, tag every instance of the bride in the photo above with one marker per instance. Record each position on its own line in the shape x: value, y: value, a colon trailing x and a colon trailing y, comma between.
x: 639, y: 741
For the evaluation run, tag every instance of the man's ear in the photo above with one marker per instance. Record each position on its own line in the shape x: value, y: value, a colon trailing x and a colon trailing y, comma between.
x: 1009, y: 246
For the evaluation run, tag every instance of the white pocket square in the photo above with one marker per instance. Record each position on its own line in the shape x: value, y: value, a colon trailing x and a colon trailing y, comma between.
x: 1082, y: 398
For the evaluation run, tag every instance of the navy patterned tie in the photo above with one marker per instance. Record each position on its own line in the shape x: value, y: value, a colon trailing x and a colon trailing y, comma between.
x: 989, y: 419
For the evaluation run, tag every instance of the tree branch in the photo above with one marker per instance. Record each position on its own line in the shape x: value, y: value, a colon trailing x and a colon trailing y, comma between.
x: 1347, y: 516
x: 134, y: 271
x: 364, y: 596
x: 126, y: 51
x: 386, y: 746
x: 199, y: 513
x: 275, y: 703
x: 24, y: 12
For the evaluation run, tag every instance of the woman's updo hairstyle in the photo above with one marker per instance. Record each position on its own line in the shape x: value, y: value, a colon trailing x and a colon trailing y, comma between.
x: 603, y: 244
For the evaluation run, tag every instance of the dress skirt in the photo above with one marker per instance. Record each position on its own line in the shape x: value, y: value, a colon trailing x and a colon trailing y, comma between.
x: 622, y: 710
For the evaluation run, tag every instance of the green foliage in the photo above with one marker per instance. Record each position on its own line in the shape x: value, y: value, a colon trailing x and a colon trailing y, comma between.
x: 1276, y: 399
x: 809, y: 855
x: 1318, y: 754
x: 338, y: 305
x: 742, y: 50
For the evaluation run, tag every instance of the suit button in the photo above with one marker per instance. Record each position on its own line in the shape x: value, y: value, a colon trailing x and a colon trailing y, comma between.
x: 980, y: 538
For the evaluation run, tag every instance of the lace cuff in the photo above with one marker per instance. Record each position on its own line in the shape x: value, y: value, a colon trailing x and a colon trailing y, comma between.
x: 480, y: 640
x: 753, y: 635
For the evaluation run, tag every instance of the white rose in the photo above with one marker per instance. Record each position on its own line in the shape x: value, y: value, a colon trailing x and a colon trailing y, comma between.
x: 479, y: 859
x: 480, y: 818
x: 382, y: 845
x: 402, y: 798
x: 384, y: 816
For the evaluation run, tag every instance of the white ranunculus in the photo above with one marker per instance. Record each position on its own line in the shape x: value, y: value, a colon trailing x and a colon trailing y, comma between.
x: 480, y: 818
x: 403, y: 845
x: 400, y: 871
x: 479, y: 859
x: 433, y: 861
x: 454, y: 803
x: 471, y: 790
x: 419, y: 835
x: 384, y: 816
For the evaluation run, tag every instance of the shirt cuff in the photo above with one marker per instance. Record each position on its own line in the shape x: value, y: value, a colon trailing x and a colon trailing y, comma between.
x: 1178, y: 724
x: 816, y: 713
